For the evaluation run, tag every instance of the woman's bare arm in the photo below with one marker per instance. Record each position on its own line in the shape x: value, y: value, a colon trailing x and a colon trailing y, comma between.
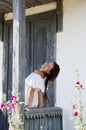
x: 40, y: 99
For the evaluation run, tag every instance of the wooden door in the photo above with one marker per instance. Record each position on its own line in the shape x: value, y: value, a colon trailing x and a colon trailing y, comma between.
x: 40, y: 44
x: 7, y: 58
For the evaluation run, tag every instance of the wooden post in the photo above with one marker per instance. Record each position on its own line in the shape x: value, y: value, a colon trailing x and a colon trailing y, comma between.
x: 59, y: 15
x: 1, y: 51
x: 19, y: 47
x: 1, y: 56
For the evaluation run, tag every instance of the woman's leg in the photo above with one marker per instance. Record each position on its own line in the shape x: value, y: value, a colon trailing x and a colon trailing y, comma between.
x: 40, y: 99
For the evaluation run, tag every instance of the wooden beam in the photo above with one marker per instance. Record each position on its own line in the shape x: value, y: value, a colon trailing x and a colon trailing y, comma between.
x: 41, y: 9
x: 19, y: 45
x: 34, y: 10
x: 1, y: 64
x: 6, y: 5
x: 60, y: 15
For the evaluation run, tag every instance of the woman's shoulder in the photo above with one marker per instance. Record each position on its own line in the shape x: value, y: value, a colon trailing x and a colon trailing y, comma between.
x: 37, y: 74
x: 29, y: 76
x: 40, y: 73
x: 33, y: 75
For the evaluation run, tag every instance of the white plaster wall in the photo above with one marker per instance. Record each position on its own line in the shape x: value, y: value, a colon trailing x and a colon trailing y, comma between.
x: 71, y: 55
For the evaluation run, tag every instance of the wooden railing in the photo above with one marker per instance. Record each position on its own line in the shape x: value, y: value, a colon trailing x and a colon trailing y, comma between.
x: 43, y: 119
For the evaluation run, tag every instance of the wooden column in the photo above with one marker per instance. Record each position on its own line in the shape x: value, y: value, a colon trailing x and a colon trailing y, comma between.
x: 1, y: 55
x: 19, y: 46
x: 59, y: 15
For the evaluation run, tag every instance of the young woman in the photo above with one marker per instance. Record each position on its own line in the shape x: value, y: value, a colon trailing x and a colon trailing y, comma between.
x: 36, y: 84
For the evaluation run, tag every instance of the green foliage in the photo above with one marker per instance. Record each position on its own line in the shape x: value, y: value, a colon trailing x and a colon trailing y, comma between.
x: 77, y: 105
x: 13, y: 109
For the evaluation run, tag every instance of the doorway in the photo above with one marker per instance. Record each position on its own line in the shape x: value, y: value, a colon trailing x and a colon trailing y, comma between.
x: 41, y: 44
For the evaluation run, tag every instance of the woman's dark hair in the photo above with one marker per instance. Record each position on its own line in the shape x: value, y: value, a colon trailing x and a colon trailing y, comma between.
x: 51, y: 77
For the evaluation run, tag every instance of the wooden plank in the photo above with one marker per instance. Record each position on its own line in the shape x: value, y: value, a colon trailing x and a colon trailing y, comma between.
x: 28, y: 49
x: 59, y: 16
x: 45, y: 1
x: 41, y: 8
x: 35, y: 10
x: 32, y: 2
x: 27, y: 124
x: 29, y: 3
x: 39, y: 1
x: 43, y: 119
x: 10, y: 58
x: 19, y: 62
x: 4, y: 9
x: 36, y: 124
x: 8, y: 1
x: 6, y: 4
x: 0, y: 32
x: 19, y: 46
x: 5, y: 58
x: 1, y: 61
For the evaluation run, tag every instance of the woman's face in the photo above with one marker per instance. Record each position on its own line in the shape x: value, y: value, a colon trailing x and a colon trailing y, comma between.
x: 47, y: 67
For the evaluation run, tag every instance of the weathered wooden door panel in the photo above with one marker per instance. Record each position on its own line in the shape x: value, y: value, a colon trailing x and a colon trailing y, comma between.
x: 0, y: 31
x: 10, y: 58
x: 8, y: 50
x: 40, y: 43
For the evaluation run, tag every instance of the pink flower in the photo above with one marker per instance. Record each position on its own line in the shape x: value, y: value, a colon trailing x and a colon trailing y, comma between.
x: 74, y: 106
x: 9, y: 108
x: 2, y: 106
x: 13, y: 97
x: 81, y: 86
x: 75, y: 113
x: 78, y: 82
x: 13, y: 105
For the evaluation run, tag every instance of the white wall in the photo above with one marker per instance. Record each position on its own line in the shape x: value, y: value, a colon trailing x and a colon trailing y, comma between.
x: 71, y: 55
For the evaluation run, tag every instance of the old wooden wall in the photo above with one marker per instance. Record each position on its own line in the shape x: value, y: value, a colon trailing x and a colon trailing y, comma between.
x: 7, y: 58
x: 0, y: 31
x: 44, y: 119
x: 3, y: 116
x: 40, y: 47
x: 1, y: 55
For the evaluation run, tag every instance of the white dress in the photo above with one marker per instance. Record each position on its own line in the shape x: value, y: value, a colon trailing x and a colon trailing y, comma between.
x: 36, y: 81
